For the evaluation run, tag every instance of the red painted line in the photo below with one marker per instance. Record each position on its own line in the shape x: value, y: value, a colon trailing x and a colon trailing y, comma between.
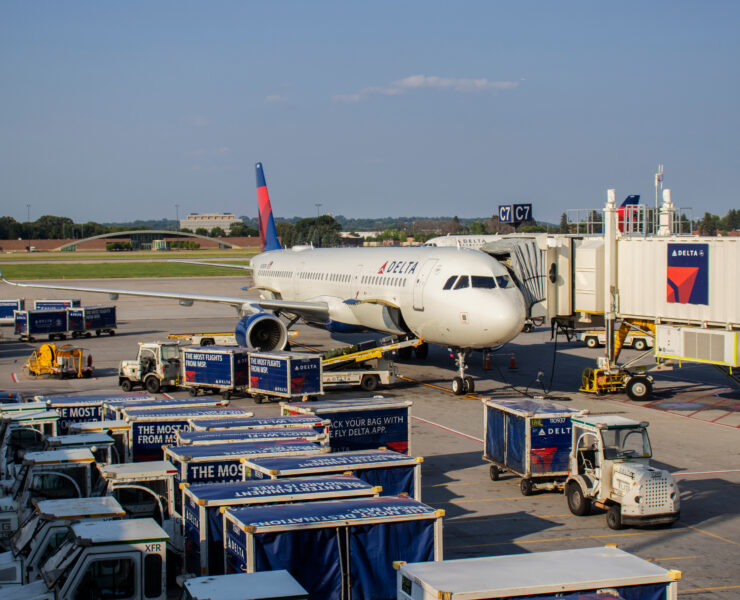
x: 14, y: 377
x: 709, y: 405
x: 455, y: 431
x: 166, y: 395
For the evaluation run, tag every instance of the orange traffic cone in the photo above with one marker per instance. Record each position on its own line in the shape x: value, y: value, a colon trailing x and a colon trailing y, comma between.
x: 486, y: 361
x: 512, y: 362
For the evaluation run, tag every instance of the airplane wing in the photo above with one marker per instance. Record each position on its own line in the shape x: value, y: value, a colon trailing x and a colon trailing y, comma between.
x: 314, y: 311
x: 212, y: 264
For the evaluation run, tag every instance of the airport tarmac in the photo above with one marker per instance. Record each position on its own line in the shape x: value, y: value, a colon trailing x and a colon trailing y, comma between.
x: 694, y: 417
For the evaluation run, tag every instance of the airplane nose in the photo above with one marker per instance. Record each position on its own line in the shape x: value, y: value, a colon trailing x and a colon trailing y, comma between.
x: 509, y: 318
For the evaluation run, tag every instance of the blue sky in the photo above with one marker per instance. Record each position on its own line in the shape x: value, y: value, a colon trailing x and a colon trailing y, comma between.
x: 113, y: 111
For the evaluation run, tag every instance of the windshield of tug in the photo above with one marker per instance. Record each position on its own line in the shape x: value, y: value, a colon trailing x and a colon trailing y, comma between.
x: 626, y: 443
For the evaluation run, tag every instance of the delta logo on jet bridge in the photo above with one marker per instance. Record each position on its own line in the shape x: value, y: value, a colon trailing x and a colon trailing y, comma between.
x: 688, y: 274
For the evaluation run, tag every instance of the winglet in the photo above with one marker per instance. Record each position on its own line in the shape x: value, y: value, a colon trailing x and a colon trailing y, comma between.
x: 268, y: 233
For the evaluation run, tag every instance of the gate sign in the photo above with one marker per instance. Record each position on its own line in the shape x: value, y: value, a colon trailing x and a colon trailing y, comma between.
x: 514, y: 213
x: 688, y: 274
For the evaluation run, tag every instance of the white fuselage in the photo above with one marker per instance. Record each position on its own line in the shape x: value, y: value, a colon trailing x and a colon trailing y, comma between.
x: 401, y: 290
x: 463, y: 241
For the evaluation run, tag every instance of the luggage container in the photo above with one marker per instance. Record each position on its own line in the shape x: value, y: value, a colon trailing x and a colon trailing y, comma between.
x: 268, y: 585
x: 284, y: 375
x: 8, y: 307
x: 86, y: 319
x: 120, y: 431
x: 114, y: 409
x: 396, y: 473
x: 51, y: 323
x: 204, y: 504
x: 336, y: 549
x: 603, y: 573
x: 215, y: 369
x: 227, y: 436
x: 55, y: 304
x: 80, y: 408
x: 298, y: 421
x: 362, y: 423
x: 150, y: 429
x: 529, y: 437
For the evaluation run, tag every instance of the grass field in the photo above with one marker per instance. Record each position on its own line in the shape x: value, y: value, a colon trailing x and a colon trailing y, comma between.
x: 123, y: 256
x: 101, y: 270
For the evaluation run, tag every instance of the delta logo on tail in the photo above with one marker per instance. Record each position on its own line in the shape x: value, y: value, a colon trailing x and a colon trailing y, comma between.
x: 268, y: 233
x: 688, y: 274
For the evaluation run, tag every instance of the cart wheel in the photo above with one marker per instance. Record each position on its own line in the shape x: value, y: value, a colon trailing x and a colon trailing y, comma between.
x: 226, y: 394
x: 494, y: 472
x: 525, y: 485
x: 152, y: 385
x: 639, y: 389
x: 578, y: 504
x: 193, y: 391
x: 639, y: 345
x: 369, y: 383
x: 258, y: 399
x: 614, y: 517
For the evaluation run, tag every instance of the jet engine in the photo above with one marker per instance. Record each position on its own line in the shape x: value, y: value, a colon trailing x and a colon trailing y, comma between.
x: 262, y: 332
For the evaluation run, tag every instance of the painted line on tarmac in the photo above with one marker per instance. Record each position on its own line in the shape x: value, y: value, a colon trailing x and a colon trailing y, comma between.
x: 710, y: 589
x: 437, y: 387
x: 455, y: 431
x: 681, y: 473
x: 14, y: 377
x: 714, y: 535
x: 166, y: 395
x: 674, y: 558
x: 676, y: 414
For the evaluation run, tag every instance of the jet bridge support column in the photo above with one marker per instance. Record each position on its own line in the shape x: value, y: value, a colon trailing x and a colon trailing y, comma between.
x: 610, y: 271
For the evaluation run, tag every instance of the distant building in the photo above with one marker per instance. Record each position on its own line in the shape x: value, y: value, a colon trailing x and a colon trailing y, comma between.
x: 208, y: 221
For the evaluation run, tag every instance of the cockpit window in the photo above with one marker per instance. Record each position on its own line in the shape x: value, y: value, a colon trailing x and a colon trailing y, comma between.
x: 503, y: 281
x: 463, y: 282
x: 479, y: 281
x: 448, y: 284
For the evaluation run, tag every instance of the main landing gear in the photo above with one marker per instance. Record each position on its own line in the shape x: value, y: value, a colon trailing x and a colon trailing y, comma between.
x: 462, y: 384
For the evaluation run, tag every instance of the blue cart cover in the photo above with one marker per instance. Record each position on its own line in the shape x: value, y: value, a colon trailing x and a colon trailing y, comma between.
x: 224, y: 451
x: 249, y: 435
x: 113, y: 407
x: 259, y: 423
x: 81, y: 408
x: 182, y: 413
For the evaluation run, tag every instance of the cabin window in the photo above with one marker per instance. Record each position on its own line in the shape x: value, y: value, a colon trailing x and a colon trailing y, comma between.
x: 503, y: 281
x: 449, y: 283
x: 109, y: 579
x: 463, y: 282
x: 153, y: 576
x: 479, y: 281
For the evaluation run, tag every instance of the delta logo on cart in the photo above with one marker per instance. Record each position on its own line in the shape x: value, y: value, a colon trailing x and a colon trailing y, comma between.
x: 688, y: 274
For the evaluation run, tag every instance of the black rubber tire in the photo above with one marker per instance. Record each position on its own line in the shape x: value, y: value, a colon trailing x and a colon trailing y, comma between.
x: 639, y: 344
x: 97, y: 332
x: 494, y: 472
x: 578, y: 504
x: 258, y: 399
x: 469, y: 385
x: 422, y: 351
x: 527, y: 328
x: 639, y: 389
x: 152, y: 385
x: 226, y: 394
x: 112, y: 332
x: 369, y: 383
x: 193, y: 391
x: 126, y: 385
x: 207, y: 342
x: 614, y: 517
x: 458, y: 386
x: 526, y: 487
x: 592, y: 342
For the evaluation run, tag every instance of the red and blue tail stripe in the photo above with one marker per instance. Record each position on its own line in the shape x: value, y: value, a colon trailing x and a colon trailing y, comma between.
x: 268, y: 233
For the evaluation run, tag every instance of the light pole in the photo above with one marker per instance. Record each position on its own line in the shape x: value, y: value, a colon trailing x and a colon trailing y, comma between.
x: 318, y: 206
x: 28, y: 208
x: 177, y: 217
x: 28, y: 215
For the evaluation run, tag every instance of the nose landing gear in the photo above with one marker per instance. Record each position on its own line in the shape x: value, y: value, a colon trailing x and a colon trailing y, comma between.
x: 462, y: 384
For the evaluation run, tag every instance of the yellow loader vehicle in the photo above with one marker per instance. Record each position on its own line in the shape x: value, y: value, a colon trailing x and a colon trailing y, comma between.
x: 60, y: 361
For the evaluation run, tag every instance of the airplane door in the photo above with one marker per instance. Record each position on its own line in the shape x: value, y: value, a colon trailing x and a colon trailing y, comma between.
x: 421, y: 278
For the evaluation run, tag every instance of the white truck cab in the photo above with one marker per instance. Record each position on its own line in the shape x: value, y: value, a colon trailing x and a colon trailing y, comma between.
x: 118, y: 429
x: 156, y: 366
x: 100, y: 444
x: 23, y: 431
x: 609, y: 467
x: 42, y: 533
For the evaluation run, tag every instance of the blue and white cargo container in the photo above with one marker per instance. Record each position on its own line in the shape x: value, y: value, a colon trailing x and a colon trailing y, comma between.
x: 8, y: 307
x: 396, y: 473
x: 215, y: 368
x: 592, y: 573
x: 151, y: 429
x: 268, y: 585
x: 85, y: 320
x: 284, y: 375
x: 55, y: 304
x: 11, y: 397
x: 361, y: 423
x: 114, y: 409
x: 228, y: 436
x: 336, y: 549
x: 51, y: 323
x: 204, y: 505
x: 292, y: 421
x: 82, y: 408
x: 529, y: 437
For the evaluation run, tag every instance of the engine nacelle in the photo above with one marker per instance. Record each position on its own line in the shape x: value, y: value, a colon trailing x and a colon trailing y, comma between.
x: 262, y: 332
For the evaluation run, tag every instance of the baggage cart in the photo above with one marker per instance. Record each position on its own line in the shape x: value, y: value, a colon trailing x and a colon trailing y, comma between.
x: 299, y: 421
x: 11, y: 397
x: 396, y: 473
x: 85, y: 320
x: 284, y: 375
x: 361, y: 423
x: 336, y: 549
x: 227, y: 436
x: 32, y: 323
x: 119, y: 430
x: 529, y: 437
x: 268, y: 585
x: 216, y: 369
x: 55, y: 304
x: 8, y: 307
x: 114, y: 409
x: 598, y: 573
x: 79, y: 408
x: 101, y: 445
x: 150, y: 429
x: 204, y: 504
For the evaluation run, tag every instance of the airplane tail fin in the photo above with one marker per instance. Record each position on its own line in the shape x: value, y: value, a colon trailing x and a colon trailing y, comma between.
x: 631, y: 200
x: 268, y: 233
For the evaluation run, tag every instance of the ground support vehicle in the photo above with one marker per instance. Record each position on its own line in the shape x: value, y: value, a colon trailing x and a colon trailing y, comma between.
x: 21, y: 432
x: 396, y: 473
x: 104, y: 559
x: 11, y: 397
x: 59, y: 361
x: 216, y: 369
x: 120, y: 431
x: 157, y: 366
x: 607, y: 380
x: 369, y: 378
x: 85, y: 320
x: 267, y: 585
x: 341, y: 548
x: 234, y: 436
x: 284, y: 375
x: 206, y: 339
x: 100, y: 444
x: 606, y: 573
x: 115, y: 409
x: 529, y: 437
x: 32, y: 323
x: 8, y: 307
x: 609, y: 468
x: 204, y: 504
x: 45, y: 530
x: 637, y: 340
x: 361, y: 423
x: 45, y: 476
x: 55, y: 304
x: 285, y: 422
x: 78, y: 408
x: 150, y: 429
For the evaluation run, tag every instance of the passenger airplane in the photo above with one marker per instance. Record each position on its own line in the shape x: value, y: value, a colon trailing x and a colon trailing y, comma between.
x: 455, y: 297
